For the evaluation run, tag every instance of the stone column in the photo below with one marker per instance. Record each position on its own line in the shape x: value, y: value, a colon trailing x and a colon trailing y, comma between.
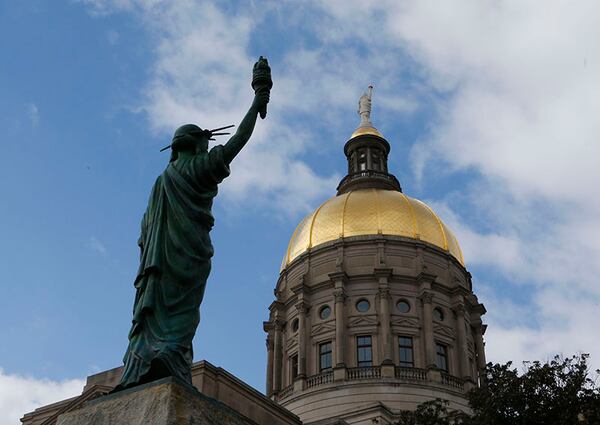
x: 340, y: 326
x: 480, y: 348
x: 269, y: 365
x: 302, y: 310
x: 461, y: 333
x: 385, y: 328
x: 426, y: 299
x: 277, y: 361
x: 339, y: 279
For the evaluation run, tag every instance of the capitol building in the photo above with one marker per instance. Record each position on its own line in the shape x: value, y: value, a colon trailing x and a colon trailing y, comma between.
x: 373, y: 312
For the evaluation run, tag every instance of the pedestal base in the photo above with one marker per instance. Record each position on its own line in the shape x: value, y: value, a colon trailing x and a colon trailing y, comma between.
x: 162, y: 402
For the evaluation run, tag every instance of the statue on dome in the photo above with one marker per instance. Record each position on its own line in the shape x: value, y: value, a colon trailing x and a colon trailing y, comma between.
x: 364, y: 108
x: 175, y: 245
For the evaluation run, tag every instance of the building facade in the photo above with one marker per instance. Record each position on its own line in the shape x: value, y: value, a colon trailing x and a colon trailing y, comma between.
x: 374, y: 309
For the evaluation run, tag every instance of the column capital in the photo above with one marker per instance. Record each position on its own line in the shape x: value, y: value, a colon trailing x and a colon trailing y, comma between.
x: 384, y: 292
x: 426, y: 297
x: 459, y: 308
x: 302, y: 307
x: 340, y: 296
x: 278, y: 325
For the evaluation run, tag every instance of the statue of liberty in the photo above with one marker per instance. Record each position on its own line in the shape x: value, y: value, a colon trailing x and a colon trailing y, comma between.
x: 176, y: 249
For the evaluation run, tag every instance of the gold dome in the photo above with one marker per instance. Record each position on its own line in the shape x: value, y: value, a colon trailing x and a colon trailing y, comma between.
x: 371, y: 212
x: 366, y: 130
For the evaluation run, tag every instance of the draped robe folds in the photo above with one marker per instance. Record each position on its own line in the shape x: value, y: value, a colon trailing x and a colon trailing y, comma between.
x: 175, y: 263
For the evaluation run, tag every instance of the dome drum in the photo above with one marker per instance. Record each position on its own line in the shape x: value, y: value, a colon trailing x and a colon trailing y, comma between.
x: 360, y: 282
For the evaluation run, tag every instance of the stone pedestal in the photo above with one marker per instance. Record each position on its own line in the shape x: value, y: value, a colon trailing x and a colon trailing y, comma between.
x: 163, y: 402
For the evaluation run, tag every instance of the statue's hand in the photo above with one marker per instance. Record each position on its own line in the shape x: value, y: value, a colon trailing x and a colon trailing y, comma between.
x: 261, y: 99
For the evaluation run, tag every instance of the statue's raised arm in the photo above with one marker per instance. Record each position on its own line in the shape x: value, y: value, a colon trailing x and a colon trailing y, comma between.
x: 261, y: 83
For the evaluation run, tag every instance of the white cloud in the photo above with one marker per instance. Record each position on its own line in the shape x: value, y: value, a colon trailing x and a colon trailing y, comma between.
x: 34, y: 114
x: 96, y: 245
x: 22, y: 394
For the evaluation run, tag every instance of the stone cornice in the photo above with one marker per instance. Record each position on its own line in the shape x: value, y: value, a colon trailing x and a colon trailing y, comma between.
x: 276, y: 306
x: 338, y: 277
x: 302, y: 286
x: 383, y: 272
x: 425, y: 277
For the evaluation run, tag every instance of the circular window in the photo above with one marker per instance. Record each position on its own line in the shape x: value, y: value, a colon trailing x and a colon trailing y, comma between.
x: 295, y: 325
x: 403, y: 306
x: 324, y: 312
x: 438, y: 314
x: 363, y: 305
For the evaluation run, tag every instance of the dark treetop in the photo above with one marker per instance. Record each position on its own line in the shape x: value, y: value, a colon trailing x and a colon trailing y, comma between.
x: 176, y: 249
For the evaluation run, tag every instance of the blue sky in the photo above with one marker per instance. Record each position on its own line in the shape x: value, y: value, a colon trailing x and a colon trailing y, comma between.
x: 488, y: 106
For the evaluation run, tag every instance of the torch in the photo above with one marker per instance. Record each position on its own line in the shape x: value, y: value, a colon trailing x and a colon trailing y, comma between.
x: 261, y: 81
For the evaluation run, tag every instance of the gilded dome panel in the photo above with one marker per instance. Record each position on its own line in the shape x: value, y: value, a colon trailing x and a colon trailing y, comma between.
x: 393, y: 220
x: 361, y: 213
x: 453, y: 245
x: 329, y: 220
x: 301, y: 238
x: 371, y: 212
x: 369, y: 130
x: 430, y: 227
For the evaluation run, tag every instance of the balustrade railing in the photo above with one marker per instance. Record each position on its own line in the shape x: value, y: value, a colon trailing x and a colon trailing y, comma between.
x: 373, y: 372
x: 286, y: 392
x: 320, y: 379
x: 411, y: 373
x: 452, y: 381
x: 370, y: 372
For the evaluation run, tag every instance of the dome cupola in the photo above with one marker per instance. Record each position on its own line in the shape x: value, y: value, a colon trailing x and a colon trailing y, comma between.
x: 367, y: 153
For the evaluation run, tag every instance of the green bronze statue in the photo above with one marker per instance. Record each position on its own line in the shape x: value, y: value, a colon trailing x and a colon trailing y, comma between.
x: 176, y: 249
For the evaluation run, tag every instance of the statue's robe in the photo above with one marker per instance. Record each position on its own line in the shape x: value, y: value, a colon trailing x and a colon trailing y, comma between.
x: 176, y: 253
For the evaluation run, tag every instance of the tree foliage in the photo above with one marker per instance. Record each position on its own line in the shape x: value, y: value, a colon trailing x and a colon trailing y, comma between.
x: 558, y: 392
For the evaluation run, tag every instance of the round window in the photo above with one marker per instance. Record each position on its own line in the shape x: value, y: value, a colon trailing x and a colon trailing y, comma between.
x: 403, y: 306
x: 438, y: 314
x: 363, y: 305
x: 324, y: 312
x: 295, y: 325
